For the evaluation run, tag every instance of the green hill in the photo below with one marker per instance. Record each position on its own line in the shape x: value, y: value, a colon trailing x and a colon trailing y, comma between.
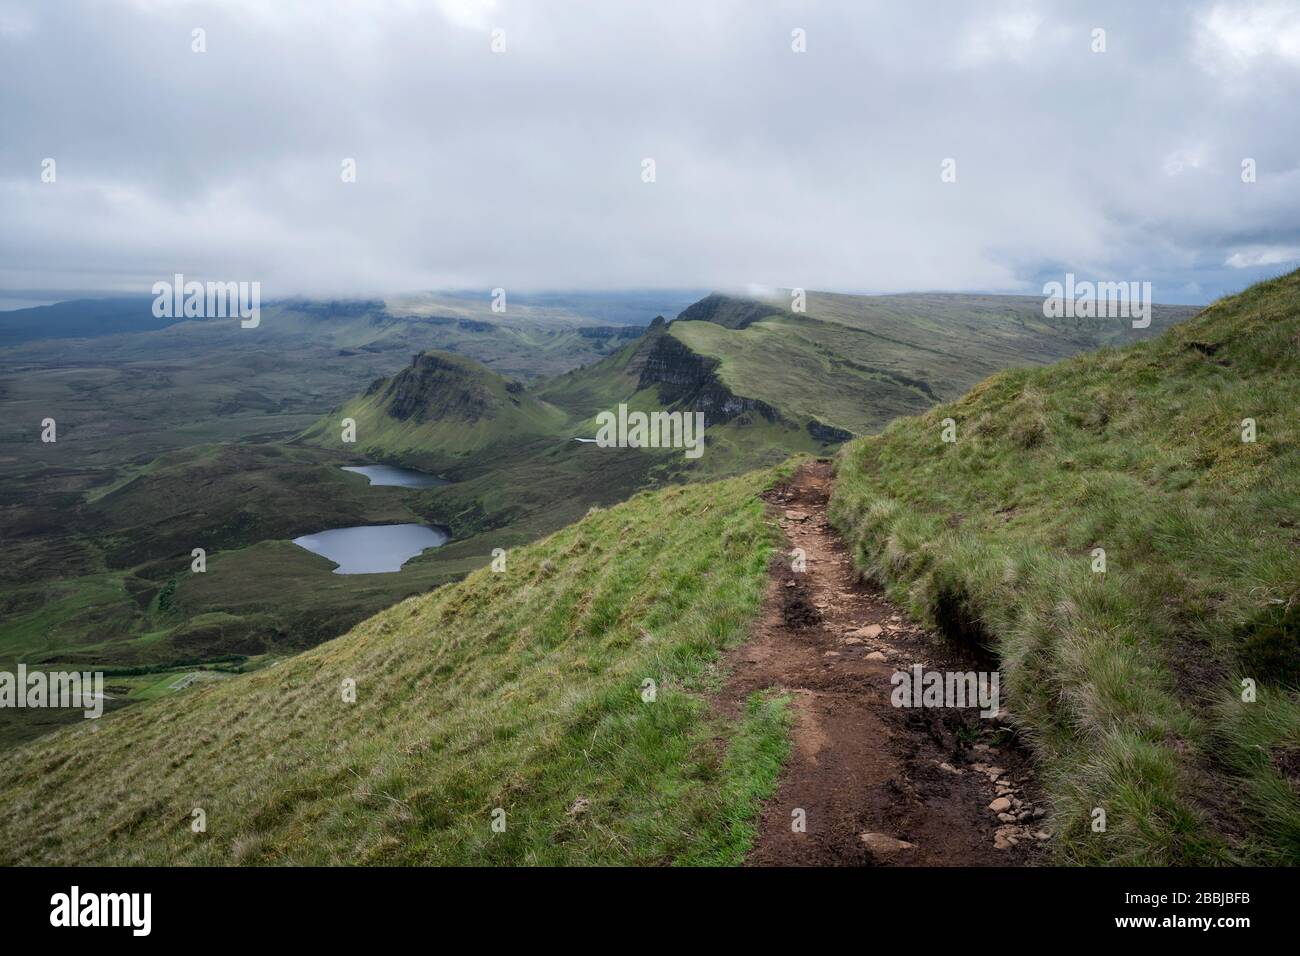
x: 1128, y: 681
x: 522, y: 690
x: 855, y: 363
x: 438, y: 411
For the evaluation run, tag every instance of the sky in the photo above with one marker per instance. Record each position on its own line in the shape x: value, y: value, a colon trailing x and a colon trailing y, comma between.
x: 524, y: 166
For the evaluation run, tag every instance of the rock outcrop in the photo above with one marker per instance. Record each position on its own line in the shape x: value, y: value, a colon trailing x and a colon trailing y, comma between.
x: 688, y: 378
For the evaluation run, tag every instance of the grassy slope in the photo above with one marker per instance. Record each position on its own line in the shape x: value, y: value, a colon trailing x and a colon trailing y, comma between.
x: 585, y: 391
x: 1127, y: 681
x: 518, y: 690
x: 470, y: 409
x: 858, y: 362
x: 978, y: 334
x: 807, y: 370
x: 551, y: 483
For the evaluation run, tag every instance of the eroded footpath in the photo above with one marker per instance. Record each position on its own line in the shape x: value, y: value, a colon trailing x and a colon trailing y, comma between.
x: 873, y: 784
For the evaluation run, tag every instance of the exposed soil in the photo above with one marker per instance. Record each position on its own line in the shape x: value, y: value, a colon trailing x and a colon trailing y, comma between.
x: 866, y: 774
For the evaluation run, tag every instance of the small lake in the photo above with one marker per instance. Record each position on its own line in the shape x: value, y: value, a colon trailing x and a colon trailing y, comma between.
x: 372, y: 549
x: 401, y: 477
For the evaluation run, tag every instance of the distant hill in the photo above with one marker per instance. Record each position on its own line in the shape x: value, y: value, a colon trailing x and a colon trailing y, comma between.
x: 854, y: 363
x: 770, y: 383
x: 730, y: 312
x: 539, y: 309
x: 80, y: 318
x: 439, y: 409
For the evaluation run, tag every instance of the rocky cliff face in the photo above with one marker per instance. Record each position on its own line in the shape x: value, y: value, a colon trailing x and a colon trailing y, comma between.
x: 827, y: 434
x: 690, y: 380
x: 687, y: 378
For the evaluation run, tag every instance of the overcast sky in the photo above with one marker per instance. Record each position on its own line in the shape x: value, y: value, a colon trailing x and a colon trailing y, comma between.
x: 524, y: 168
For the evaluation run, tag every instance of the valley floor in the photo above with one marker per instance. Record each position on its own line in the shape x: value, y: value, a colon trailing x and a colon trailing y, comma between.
x: 877, y: 784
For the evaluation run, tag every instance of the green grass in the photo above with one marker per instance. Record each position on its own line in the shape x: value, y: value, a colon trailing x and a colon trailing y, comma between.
x: 166, y: 442
x: 857, y: 362
x: 455, y: 409
x: 520, y: 690
x: 241, y: 503
x: 1126, y: 682
x: 808, y: 370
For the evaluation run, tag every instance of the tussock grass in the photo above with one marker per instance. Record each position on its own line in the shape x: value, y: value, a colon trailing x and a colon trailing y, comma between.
x: 519, y: 690
x: 1128, y: 682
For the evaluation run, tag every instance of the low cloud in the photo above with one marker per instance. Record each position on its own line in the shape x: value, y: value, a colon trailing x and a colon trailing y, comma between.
x: 1264, y: 256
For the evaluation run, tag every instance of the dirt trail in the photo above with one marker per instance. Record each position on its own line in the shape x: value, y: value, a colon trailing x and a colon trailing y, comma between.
x: 866, y: 774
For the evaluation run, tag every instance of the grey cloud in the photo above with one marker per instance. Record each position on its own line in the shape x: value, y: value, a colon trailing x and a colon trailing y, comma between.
x: 522, y: 169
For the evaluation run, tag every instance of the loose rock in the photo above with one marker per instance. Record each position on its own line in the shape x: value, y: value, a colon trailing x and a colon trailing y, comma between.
x: 882, y: 845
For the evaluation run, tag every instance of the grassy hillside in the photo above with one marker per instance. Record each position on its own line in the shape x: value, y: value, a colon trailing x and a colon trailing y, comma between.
x: 520, y: 690
x: 986, y: 333
x: 809, y: 369
x: 870, y: 359
x: 439, y: 411
x: 858, y: 362
x: 1129, y: 681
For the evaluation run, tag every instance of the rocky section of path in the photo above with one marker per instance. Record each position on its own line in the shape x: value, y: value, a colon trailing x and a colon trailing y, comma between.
x: 867, y: 783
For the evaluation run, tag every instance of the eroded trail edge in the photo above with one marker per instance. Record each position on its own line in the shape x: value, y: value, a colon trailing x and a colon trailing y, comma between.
x: 874, y: 784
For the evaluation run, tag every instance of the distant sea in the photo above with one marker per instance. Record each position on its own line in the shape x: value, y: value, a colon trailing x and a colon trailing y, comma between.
x: 8, y: 305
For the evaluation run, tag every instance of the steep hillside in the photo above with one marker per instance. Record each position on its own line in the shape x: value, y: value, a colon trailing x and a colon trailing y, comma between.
x: 991, y: 331
x: 549, y: 483
x: 1128, y: 675
x: 852, y: 364
x: 666, y: 369
x: 439, y: 410
x: 523, y: 690
x: 812, y: 373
